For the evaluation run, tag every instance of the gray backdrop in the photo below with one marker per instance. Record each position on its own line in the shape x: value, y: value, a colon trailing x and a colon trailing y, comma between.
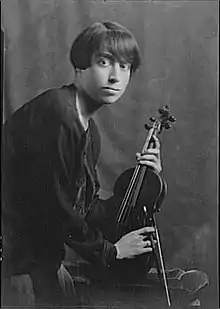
x: 178, y: 42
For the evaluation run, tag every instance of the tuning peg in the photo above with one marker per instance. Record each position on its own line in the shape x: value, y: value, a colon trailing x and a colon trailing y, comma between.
x: 153, y: 119
x: 172, y: 119
x: 164, y: 111
x: 147, y: 126
x: 160, y: 110
x: 168, y: 125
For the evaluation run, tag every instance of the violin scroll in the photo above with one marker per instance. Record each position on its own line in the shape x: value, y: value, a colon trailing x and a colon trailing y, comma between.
x: 163, y: 121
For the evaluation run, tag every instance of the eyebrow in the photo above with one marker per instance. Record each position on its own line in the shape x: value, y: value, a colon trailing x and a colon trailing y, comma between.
x: 110, y: 56
x: 106, y: 55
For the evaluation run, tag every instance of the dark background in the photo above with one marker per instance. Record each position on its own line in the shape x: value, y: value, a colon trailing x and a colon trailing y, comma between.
x: 178, y: 41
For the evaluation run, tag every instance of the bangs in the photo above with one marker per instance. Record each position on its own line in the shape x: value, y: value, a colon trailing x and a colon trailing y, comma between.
x: 120, y: 45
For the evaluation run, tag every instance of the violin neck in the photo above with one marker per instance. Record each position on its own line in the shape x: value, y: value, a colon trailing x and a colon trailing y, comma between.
x: 152, y: 132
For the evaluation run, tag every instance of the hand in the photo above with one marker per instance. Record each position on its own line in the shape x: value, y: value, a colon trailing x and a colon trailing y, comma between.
x: 151, y: 157
x: 134, y: 243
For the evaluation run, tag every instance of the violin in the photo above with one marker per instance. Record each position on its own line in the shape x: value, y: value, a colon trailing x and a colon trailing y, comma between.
x: 138, y: 194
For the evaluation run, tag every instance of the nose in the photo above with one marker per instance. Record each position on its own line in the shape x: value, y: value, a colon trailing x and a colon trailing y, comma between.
x: 114, y: 73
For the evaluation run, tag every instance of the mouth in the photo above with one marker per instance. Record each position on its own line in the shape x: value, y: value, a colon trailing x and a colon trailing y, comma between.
x: 111, y: 89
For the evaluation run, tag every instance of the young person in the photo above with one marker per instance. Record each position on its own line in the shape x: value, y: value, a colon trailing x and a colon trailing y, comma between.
x: 50, y: 150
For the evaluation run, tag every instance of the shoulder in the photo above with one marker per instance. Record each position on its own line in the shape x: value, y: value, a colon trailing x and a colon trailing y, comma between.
x: 53, y: 106
x: 57, y: 102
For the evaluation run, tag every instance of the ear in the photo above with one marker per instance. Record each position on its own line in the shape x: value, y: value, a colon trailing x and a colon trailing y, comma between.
x: 78, y: 79
x: 77, y: 71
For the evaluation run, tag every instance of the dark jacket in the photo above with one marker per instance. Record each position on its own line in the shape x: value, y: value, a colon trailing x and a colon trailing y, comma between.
x: 46, y: 152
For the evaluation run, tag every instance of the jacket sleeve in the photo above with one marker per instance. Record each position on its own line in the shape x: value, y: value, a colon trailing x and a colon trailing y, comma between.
x: 85, y: 239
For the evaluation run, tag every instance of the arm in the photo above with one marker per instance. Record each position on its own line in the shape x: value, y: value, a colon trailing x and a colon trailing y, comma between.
x: 84, y: 238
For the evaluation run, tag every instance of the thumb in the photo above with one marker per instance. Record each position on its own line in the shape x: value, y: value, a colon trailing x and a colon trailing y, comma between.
x: 138, y: 155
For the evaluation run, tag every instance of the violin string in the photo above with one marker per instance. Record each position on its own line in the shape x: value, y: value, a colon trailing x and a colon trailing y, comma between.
x: 138, y: 186
x: 127, y: 194
x: 123, y: 210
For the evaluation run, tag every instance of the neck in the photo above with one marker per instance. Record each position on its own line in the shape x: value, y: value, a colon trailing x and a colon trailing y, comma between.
x: 86, y: 105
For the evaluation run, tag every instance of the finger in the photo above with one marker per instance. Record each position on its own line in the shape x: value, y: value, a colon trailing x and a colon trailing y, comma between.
x: 148, y: 157
x: 148, y: 163
x: 154, y: 165
x: 147, y: 243
x: 138, y: 155
x: 147, y: 249
x: 152, y: 243
x: 146, y: 229
x: 151, y: 151
x: 155, y: 151
x: 156, y: 142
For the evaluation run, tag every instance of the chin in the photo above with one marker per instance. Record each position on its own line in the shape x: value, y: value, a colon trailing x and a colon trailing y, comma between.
x: 109, y: 101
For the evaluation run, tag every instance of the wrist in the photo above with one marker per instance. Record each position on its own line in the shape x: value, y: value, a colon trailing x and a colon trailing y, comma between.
x: 118, y: 255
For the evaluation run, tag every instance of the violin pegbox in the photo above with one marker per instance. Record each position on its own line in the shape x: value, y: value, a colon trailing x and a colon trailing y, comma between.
x: 165, y: 117
x: 163, y: 121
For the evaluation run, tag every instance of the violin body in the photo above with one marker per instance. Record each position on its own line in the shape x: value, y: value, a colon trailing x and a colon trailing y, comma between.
x: 151, y: 195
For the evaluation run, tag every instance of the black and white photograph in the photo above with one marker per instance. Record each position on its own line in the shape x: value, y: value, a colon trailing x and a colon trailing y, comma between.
x: 110, y: 156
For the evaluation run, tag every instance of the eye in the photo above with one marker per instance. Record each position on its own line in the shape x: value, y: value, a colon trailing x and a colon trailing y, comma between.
x: 125, y: 66
x: 104, y: 62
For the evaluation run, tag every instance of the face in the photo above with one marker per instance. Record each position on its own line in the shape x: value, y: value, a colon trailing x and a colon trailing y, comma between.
x: 106, y: 79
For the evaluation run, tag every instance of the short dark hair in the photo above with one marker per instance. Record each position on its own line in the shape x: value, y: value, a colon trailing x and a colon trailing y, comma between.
x: 105, y: 36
